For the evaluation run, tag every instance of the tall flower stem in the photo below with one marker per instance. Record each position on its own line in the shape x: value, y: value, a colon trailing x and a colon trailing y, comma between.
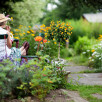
x: 38, y: 46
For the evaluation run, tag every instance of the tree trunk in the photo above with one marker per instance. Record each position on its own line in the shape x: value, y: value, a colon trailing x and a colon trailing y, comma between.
x: 67, y: 43
x: 59, y: 51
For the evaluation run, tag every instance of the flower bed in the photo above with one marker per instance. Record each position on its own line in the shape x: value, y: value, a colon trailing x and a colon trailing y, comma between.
x: 36, y: 78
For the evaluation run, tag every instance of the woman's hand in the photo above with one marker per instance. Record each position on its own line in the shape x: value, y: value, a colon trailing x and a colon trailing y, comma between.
x: 8, y: 28
x: 9, y: 42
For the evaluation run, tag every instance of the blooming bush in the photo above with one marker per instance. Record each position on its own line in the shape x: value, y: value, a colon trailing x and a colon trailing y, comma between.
x: 60, y: 31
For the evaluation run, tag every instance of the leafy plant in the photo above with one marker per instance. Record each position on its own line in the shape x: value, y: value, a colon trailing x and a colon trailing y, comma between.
x: 82, y: 44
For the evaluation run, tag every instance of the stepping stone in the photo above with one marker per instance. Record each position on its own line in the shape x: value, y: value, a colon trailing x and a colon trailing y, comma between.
x: 86, y: 78
x: 76, y: 68
x: 98, y: 96
x: 74, y: 95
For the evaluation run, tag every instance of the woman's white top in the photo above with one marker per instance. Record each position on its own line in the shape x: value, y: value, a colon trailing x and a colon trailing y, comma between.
x: 3, y: 42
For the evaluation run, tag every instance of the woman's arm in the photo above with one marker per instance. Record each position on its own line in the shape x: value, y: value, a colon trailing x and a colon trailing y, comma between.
x: 9, y: 42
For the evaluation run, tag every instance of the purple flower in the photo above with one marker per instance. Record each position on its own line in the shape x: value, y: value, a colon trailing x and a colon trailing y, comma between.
x: 7, y: 15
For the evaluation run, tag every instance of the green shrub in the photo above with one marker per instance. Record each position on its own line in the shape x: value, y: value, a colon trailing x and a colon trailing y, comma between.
x: 82, y: 44
x: 83, y: 28
x: 80, y: 60
x: 51, y: 48
x: 66, y: 52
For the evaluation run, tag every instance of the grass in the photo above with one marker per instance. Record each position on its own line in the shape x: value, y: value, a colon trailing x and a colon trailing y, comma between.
x: 79, y: 60
x: 92, y: 71
x: 86, y: 91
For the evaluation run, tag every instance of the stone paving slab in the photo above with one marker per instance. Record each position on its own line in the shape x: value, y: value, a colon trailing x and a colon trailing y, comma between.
x: 87, y: 78
x: 97, y: 95
x: 76, y: 68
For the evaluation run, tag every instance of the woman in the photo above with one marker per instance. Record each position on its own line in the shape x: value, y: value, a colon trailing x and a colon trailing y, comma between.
x: 6, y: 49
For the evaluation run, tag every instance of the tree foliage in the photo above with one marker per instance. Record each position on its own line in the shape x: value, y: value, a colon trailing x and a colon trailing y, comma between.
x: 27, y: 12
x: 5, y: 5
x: 97, y: 4
x: 68, y: 9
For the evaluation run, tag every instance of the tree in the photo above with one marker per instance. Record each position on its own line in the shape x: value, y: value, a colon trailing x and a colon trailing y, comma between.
x: 68, y: 9
x: 27, y: 12
x: 5, y: 5
x: 97, y: 4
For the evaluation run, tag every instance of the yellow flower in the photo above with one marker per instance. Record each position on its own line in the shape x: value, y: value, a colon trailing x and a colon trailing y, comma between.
x: 61, y: 32
x: 31, y: 84
x: 17, y: 30
x: 42, y: 26
x: 44, y: 69
x: 93, y: 50
x: 67, y: 40
x: 53, y: 39
x: 100, y: 36
x: 23, y: 33
x: 19, y: 27
x: 41, y: 42
x: 33, y: 34
x: 48, y: 41
x: 32, y: 31
x: 29, y: 26
x: 28, y: 31
x: 45, y: 33
x: 11, y: 18
x: 16, y: 37
x: 52, y: 33
x: 55, y: 43
x: 49, y: 81
x: 11, y: 32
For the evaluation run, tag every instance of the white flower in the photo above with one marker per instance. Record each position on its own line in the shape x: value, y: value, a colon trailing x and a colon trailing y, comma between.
x: 88, y: 50
x: 90, y: 57
x: 83, y: 52
x: 99, y: 58
x: 94, y: 53
x: 97, y: 55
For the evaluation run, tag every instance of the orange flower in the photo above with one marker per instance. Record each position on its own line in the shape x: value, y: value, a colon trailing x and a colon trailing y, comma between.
x: 38, y: 38
x: 49, y: 81
x: 44, y: 40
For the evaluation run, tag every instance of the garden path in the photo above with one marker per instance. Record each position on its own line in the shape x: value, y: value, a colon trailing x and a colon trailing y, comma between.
x: 82, y: 78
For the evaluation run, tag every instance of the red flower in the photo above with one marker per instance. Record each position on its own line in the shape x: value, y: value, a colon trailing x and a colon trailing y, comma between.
x: 44, y: 40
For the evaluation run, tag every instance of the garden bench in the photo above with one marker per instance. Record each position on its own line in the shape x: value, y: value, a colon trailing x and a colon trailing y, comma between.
x: 4, y: 36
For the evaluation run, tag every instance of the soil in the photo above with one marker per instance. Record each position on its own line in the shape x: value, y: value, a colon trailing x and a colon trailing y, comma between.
x: 53, y: 96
